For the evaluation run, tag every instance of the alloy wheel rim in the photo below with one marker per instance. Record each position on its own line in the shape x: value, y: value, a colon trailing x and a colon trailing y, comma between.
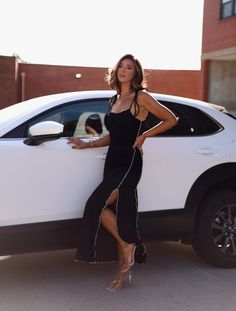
x: 223, y: 229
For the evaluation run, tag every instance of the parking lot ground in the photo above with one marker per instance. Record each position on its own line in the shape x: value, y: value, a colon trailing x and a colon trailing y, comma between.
x: 174, y: 278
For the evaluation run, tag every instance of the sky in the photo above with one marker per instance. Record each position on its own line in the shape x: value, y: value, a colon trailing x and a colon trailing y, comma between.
x: 96, y: 33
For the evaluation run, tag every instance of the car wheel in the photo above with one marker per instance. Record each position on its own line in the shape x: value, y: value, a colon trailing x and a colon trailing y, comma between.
x: 215, y: 231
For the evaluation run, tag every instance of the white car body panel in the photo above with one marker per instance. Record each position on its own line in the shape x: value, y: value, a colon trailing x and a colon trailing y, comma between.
x: 160, y: 185
x: 57, y: 192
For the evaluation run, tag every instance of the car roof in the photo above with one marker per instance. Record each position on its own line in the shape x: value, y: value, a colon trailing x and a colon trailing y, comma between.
x: 79, y: 95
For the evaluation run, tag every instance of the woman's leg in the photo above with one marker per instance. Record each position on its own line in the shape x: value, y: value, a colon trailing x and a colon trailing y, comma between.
x: 108, y: 220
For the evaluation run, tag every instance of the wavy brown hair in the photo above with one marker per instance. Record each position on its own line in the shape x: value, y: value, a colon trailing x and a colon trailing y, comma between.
x: 138, y: 82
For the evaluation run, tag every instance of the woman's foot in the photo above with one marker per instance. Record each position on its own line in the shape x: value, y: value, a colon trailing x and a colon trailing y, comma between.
x: 128, y: 256
x: 119, y: 281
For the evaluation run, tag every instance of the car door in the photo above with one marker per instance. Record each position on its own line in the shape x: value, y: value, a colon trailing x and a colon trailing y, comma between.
x: 175, y: 159
x: 52, y: 181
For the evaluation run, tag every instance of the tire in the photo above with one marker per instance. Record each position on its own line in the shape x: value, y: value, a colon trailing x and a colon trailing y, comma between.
x: 215, y: 230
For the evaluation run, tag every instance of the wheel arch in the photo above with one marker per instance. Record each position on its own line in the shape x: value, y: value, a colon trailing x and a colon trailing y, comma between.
x: 219, y: 177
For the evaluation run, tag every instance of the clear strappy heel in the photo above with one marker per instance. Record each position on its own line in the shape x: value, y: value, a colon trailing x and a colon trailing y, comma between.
x: 119, y: 283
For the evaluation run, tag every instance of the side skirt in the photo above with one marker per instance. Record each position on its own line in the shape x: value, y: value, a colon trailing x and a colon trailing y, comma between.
x: 171, y: 225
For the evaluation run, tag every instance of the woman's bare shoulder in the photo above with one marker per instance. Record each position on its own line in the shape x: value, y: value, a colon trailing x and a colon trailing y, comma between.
x: 144, y: 96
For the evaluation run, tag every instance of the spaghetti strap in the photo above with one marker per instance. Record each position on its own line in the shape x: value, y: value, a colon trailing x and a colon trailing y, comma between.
x: 112, y: 101
x: 136, y: 105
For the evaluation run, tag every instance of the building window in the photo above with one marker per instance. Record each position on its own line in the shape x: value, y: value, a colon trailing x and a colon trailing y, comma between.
x: 228, y: 8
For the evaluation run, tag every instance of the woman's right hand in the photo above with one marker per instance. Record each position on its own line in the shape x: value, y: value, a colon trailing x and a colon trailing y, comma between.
x: 77, y: 143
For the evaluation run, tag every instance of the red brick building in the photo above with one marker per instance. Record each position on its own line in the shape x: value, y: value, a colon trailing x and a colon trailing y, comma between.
x: 219, y: 52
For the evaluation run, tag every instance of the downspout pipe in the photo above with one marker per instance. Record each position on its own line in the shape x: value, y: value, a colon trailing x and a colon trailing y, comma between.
x: 23, y: 86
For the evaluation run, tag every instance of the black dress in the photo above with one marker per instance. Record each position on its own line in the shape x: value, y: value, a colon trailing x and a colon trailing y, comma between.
x: 122, y: 171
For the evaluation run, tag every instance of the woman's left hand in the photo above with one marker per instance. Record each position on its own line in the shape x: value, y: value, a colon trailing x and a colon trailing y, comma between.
x: 139, y: 142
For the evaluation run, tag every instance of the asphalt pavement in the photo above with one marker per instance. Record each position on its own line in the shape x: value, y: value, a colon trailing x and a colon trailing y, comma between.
x: 174, y: 278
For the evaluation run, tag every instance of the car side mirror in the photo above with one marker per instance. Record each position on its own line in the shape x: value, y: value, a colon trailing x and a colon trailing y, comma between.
x: 44, y: 131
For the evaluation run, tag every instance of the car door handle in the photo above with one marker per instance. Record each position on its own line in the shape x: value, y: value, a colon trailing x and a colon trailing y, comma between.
x: 101, y: 156
x: 207, y: 151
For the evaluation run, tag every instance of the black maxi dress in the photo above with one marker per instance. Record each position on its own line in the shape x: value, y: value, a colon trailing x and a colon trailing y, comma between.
x: 122, y: 171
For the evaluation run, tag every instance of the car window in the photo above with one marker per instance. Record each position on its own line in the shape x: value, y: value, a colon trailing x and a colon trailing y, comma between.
x: 80, y: 119
x: 191, y: 121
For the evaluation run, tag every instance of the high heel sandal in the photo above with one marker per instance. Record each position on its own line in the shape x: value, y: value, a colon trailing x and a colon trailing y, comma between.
x: 130, y: 263
x: 118, y: 283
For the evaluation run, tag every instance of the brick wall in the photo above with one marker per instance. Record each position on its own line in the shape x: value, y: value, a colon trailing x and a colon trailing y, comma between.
x: 8, y: 80
x: 42, y: 80
x: 49, y: 79
x: 46, y: 79
x: 217, y: 34
x: 185, y: 83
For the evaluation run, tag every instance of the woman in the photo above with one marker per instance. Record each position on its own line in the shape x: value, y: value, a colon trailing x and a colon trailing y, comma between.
x: 113, y: 204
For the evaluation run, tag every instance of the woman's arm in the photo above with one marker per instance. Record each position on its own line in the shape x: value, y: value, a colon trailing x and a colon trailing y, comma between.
x: 77, y: 143
x: 168, y: 119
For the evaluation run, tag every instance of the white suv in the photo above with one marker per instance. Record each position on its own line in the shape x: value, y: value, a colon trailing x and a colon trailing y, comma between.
x: 187, y: 191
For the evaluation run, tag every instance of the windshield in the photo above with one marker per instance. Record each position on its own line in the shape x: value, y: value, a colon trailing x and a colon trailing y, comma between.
x: 11, y: 112
x: 14, y: 112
